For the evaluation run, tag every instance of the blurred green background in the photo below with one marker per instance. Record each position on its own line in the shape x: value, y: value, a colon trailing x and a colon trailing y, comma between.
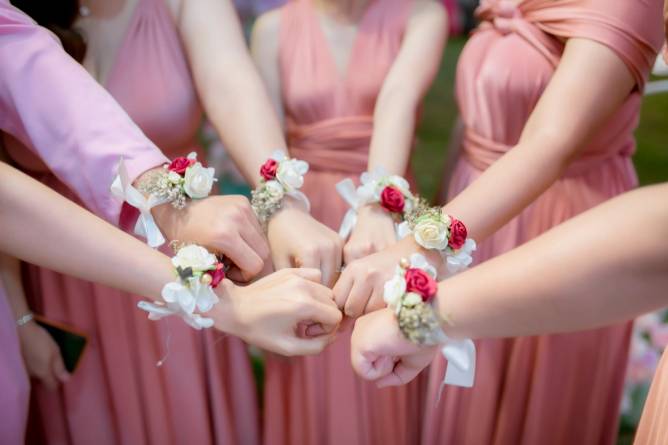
x: 440, y: 111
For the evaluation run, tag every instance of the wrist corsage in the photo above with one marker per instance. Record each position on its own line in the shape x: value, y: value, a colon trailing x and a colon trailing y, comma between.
x: 198, y: 273
x: 411, y: 294
x: 434, y: 230
x: 175, y: 183
x: 390, y: 192
x: 280, y: 177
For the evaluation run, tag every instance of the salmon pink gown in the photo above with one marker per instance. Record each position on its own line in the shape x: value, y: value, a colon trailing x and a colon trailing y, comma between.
x: 653, y: 427
x: 204, y: 392
x: 556, y: 389
x: 329, y: 118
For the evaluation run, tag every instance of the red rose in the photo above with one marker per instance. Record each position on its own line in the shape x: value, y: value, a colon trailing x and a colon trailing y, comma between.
x: 268, y: 170
x: 217, y: 275
x: 179, y: 165
x: 420, y: 282
x: 392, y: 200
x: 458, y: 234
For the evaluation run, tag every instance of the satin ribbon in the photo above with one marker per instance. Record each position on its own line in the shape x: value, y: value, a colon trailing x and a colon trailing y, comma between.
x: 348, y: 192
x: 461, y: 358
x: 146, y: 226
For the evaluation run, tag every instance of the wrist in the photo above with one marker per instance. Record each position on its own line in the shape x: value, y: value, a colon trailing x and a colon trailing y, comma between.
x: 226, y: 314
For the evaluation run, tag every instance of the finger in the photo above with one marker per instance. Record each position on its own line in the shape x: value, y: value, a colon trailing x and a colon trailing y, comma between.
x: 306, y: 346
x: 371, y: 366
x: 281, y: 261
x: 375, y: 303
x: 242, y: 256
x: 322, y: 294
x: 342, y: 288
x: 359, y: 295
x: 308, y: 258
x: 401, y: 375
x: 49, y: 380
x: 315, y: 330
x: 329, y: 268
x: 254, y: 237
x: 59, y: 370
x: 327, y: 315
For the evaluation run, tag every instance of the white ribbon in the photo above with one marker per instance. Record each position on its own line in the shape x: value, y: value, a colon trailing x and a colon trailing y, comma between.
x: 461, y: 356
x: 348, y: 192
x: 145, y: 226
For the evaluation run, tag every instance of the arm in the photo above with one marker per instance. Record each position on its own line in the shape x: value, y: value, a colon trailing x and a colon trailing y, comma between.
x: 77, y: 243
x: 394, y: 119
x: 52, y: 104
x: 605, y: 266
x: 551, y: 139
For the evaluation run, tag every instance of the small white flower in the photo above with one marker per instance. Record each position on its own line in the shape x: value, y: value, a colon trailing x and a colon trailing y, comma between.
x: 418, y: 261
x: 462, y: 259
x: 199, y: 181
x: 194, y: 256
x: 179, y: 295
x: 291, y: 173
x: 403, y: 230
x: 274, y: 189
x: 192, y: 155
x: 205, y: 297
x: 394, y: 289
x: 400, y: 183
x: 366, y: 193
x: 411, y: 299
x: 431, y: 234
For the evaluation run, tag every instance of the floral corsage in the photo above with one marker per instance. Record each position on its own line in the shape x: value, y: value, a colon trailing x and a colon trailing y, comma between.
x: 198, y: 273
x: 390, y: 192
x: 175, y: 183
x: 434, y: 230
x: 411, y: 294
x: 280, y: 177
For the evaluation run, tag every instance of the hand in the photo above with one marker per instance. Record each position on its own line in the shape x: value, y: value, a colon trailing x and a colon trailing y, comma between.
x: 359, y: 289
x: 42, y: 356
x: 298, y: 240
x: 380, y: 352
x: 269, y: 312
x: 223, y: 224
x: 373, y: 232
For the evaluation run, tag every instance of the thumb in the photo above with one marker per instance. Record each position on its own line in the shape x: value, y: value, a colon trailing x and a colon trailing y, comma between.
x: 308, y: 346
x: 401, y: 375
x: 371, y: 366
x: 58, y: 368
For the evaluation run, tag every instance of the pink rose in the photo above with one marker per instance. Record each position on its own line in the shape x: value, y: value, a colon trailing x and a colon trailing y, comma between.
x: 179, y: 165
x: 392, y: 200
x: 268, y: 170
x: 217, y: 275
x: 420, y: 282
x: 458, y: 234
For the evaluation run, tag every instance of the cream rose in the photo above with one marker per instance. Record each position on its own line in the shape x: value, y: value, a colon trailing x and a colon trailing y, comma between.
x: 431, y: 234
x: 194, y: 256
x: 198, y: 181
x: 394, y: 289
x: 291, y: 173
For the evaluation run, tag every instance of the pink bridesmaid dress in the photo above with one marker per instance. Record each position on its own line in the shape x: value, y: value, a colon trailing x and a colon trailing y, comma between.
x: 653, y: 428
x: 557, y: 389
x: 14, y: 385
x: 329, y: 118
x: 204, y: 391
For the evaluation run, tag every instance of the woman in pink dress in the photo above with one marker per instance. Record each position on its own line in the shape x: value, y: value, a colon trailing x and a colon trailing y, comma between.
x: 616, y: 282
x: 549, y: 95
x: 143, y: 52
x: 348, y: 78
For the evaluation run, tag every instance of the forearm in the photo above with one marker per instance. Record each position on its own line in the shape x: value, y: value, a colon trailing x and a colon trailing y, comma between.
x: 59, y: 235
x: 606, y: 266
x: 393, y: 129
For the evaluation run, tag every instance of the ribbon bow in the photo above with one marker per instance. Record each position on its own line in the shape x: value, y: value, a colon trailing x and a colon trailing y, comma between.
x: 145, y: 226
x: 460, y: 355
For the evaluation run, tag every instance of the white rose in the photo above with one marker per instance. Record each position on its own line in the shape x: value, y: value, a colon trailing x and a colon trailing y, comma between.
x: 394, y: 289
x: 198, y: 181
x: 274, y: 189
x: 411, y: 299
x: 431, y: 234
x: 291, y: 173
x: 194, y: 256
